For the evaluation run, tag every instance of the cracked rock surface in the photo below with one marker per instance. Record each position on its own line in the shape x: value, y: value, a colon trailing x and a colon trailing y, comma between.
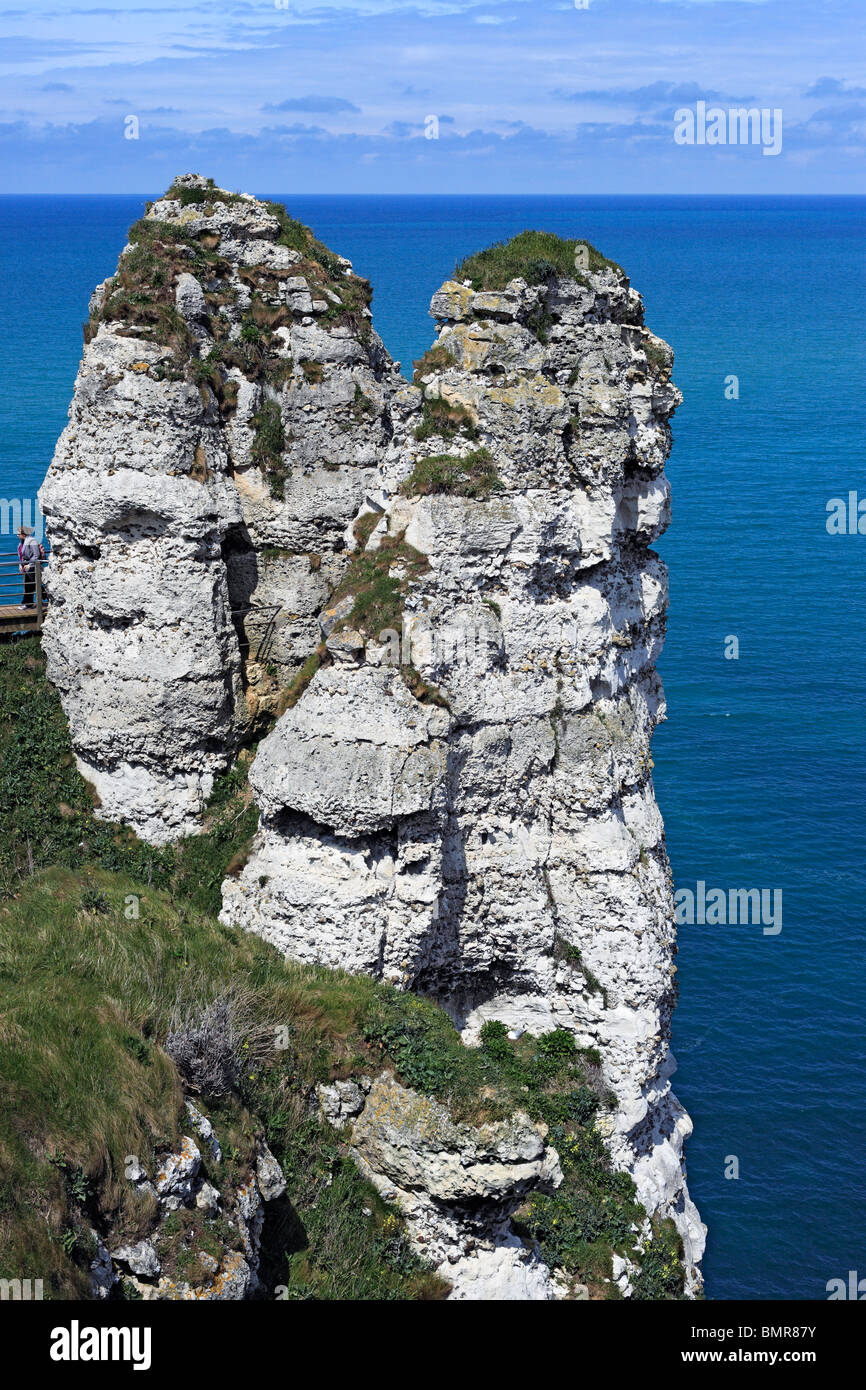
x: 447, y: 803
x: 456, y: 1184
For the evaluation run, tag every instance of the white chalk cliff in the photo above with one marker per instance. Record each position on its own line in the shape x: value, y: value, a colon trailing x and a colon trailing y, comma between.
x: 462, y: 805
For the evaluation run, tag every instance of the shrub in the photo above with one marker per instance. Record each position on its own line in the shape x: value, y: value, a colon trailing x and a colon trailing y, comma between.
x: 494, y: 1039
x: 445, y: 421
x: 661, y: 1276
x: 210, y: 1041
x: 203, y: 1049
x: 472, y: 476
x: 436, y: 359
x: 93, y: 899
x: 186, y: 196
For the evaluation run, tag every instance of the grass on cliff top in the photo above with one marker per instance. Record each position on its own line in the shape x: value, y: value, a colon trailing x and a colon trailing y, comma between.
x: 324, y: 269
x: 535, y: 257
x: 188, y: 197
x: 141, y: 293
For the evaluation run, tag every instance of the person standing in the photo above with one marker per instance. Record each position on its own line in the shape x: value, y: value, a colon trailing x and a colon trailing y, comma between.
x: 30, y: 554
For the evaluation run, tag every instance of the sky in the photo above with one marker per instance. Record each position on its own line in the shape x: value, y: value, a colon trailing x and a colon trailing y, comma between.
x: 439, y: 96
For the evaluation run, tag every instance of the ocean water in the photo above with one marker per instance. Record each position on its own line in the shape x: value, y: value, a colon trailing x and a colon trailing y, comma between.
x: 760, y: 770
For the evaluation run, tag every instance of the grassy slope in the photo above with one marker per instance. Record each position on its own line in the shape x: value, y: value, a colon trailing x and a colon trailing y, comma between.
x: 87, y: 999
x: 88, y: 989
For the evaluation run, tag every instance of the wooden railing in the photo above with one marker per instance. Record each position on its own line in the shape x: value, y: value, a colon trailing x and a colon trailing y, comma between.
x: 15, y: 615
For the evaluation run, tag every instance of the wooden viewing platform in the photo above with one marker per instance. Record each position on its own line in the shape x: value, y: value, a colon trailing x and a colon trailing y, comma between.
x: 13, y: 618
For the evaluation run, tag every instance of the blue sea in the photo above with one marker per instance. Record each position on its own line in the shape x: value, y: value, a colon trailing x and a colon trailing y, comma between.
x: 760, y: 769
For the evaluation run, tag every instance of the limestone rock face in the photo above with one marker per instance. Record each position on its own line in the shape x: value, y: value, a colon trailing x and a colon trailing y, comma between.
x: 357, y: 754
x: 139, y: 639
x: 456, y: 1184
x: 537, y: 619
x: 443, y: 591
x: 189, y: 561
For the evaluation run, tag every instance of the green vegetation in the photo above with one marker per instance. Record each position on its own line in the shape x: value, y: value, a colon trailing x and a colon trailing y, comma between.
x: 540, y: 322
x: 445, y: 421
x: 546, y: 1076
x: 314, y: 372
x: 378, y: 596
x: 47, y: 815
x: 186, y: 196
x: 564, y: 951
x: 424, y: 692
x: 590, y: 1216
x: 472, y: 476
x: 299, y: 237
x: 592, y: 1213
x: 660, y: 358
x: 269, y: 446
x: 326, y: 276
x: 535, y: 257
x: 103, y: 951
x: 436, y: 359
x: 661, y: 1274
x: 266, y: 317
x: 293, y: 692
x: 141, y: 296
x: 362, y: 406
x: 231, y: 820
x: 377, y: 593
x: 88, y: 1002
x: 141, y: 293
x: 193, y: 196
